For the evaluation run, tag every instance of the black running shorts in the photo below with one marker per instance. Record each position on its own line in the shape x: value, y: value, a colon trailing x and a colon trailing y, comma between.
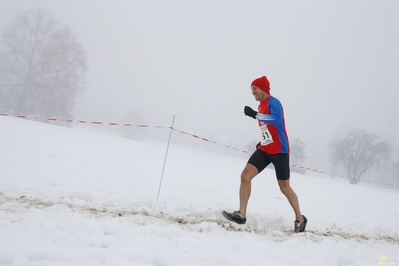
x: 280, y: 161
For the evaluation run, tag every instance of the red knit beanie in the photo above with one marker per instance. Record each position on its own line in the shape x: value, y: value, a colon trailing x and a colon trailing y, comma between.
x: 262, y: 83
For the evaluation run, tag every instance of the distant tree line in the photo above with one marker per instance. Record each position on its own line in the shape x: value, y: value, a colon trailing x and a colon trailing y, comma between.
x: 42, y: 66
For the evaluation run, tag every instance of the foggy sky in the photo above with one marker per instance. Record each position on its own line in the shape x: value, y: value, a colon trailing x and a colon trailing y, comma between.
x: 334, y: 65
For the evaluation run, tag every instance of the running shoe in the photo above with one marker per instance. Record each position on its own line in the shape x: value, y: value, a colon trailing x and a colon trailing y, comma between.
x: 234, y: 217
x: 300, y: 226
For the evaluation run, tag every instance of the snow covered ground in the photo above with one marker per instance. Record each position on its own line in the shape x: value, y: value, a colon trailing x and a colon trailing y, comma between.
x: 71, y: 196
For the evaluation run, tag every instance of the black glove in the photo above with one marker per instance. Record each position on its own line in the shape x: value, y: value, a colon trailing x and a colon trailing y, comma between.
x: 250, y: 112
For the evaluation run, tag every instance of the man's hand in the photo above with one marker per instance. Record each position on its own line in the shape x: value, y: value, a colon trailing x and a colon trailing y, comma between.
x: 250, y: 112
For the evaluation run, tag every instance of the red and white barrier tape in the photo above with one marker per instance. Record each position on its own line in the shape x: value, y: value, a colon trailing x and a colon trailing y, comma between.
x: 182, y: 132
x: 82, y: 121
x: 120, y: 124
x: 207, y: 140
x: 347, y: 177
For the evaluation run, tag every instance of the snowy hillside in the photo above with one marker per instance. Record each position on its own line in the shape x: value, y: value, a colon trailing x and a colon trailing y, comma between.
x: 71, y: 196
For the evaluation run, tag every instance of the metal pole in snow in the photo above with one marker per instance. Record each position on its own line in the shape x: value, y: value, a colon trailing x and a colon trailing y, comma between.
x: 166, y: 156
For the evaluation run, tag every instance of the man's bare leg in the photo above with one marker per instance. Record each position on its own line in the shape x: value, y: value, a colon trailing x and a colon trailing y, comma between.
x: 247, y: 175
x: 291, y: 196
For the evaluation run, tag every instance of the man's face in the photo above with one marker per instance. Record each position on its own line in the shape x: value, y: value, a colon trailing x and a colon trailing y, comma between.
x: 259, y: 94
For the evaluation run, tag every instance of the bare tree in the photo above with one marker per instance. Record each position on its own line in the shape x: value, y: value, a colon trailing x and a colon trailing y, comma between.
x: 359, y: 152
x: 394, y: 169
x: 297, y: 154
x: 42, y: 66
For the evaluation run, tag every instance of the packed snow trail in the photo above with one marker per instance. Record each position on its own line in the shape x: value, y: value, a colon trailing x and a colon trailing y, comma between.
x: 189, y: 221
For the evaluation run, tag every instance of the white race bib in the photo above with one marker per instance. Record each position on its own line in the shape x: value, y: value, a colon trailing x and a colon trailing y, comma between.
x: 266, y: 136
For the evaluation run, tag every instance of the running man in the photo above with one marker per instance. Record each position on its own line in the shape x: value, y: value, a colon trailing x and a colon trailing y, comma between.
x: 273, y: 148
